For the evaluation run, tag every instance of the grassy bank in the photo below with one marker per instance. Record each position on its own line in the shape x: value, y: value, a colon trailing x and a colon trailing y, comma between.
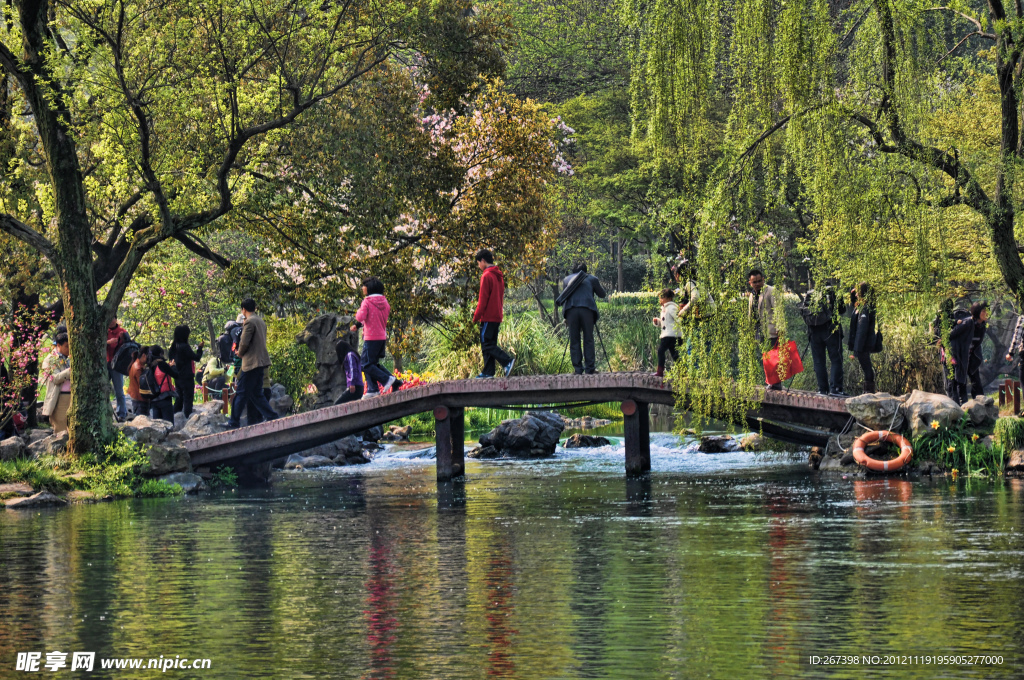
x: 117, y: 473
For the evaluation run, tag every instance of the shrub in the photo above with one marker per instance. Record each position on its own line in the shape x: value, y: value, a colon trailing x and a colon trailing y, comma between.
x: 537, y: 348
x: 155, y: 488
x: 291, y: 364
x: 224, y: 476
x: 1010, y: 433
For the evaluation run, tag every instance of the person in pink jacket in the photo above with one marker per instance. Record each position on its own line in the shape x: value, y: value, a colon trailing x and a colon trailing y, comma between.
x: 372, y: 317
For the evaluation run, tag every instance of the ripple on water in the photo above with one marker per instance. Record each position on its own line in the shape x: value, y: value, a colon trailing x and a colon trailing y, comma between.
x: 728, y: 565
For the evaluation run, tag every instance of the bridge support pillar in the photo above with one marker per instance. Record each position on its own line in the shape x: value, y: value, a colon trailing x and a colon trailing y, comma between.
x: 637, y: 431
x: 450, y: 433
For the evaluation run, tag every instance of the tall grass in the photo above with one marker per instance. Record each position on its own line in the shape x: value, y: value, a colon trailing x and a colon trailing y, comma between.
x: 538, y: 349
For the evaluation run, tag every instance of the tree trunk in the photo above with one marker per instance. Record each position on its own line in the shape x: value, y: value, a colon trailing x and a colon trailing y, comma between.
x: 90, y: 419
x: 618, y: 262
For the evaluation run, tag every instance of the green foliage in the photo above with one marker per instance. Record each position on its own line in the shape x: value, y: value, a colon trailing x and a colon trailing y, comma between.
x: 291, y: 364
x: 155, y: 488
x: 1010, y: 433
x: 118, y: 473
x: 224, y: 476
x: 958, y: 447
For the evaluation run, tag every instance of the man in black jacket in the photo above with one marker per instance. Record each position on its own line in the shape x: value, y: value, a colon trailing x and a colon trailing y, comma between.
x: 821, y: 311
x: 580, y: 313
x: 961, y: 336
x: 227, y: 339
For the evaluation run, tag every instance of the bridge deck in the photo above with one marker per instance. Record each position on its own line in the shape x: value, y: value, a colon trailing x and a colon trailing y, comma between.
x: 290, y: 434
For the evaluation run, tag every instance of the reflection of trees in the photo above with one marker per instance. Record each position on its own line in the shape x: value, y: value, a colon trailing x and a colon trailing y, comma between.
x: 589, y: 604
x: 785, y: 553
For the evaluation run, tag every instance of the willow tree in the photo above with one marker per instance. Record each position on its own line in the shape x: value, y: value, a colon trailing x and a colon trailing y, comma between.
x: 138, y: 122
x: 842, y: 101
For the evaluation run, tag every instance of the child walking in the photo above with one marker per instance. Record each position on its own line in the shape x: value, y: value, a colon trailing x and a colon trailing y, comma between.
x: 349, y: 361
x: 372, y: 317
x: 669, y: 324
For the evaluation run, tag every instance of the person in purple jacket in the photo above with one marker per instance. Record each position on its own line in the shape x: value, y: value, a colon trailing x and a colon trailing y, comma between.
x: 372, y: 317
x: 350, y: 363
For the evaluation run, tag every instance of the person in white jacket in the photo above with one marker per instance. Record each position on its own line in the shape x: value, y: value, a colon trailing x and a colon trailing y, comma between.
x: 57, y: 379
x: 669, y: 324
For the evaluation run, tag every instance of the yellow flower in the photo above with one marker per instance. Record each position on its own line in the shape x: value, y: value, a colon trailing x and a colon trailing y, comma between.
x: 955, y: 473
x: 951, y: 449
x: 975, y: 437
x: 935, y: 424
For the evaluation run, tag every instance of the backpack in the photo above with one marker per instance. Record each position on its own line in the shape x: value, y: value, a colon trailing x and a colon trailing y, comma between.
x: 819, y: 308
x: 124, y: 355
x: 151, y: 385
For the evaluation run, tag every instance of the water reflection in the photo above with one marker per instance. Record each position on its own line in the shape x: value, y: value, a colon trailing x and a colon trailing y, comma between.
x: 528, y: 571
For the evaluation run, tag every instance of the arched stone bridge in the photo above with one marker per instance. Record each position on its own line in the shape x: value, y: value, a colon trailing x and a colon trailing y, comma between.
x: 795, y: 416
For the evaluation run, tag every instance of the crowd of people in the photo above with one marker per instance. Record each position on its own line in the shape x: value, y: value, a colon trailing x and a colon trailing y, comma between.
x: 162, y: 383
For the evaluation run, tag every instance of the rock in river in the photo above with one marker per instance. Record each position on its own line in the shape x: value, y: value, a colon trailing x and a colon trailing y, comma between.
x: 534, y: 435
x: 585, y: 441
x: 718, y: 444
x: 189, y: 482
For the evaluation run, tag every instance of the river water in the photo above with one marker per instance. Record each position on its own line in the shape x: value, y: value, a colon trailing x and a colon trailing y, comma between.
x: 729, y: 566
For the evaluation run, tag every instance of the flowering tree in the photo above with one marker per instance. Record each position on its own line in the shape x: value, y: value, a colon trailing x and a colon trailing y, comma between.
x: 414, y: 200
x: 147, y: 118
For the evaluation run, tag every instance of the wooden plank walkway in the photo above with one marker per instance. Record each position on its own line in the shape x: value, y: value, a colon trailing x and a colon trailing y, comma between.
x: 263, y: 442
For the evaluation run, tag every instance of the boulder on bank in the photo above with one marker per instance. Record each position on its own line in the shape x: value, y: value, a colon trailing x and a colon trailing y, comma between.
x: 189, y: 482
x: 12, y: 447
x: 924, y: 408
x: 145, y: 430
x: 722, y: 443
x: 534, y: 435
x: 982, y: 411
x: 1016, y: 461
x: 203, y: 423
x: 39, y: 500
x: 585, y: 441
x: 878, y: 411
x: 166, y: 458
x: 53, y: 445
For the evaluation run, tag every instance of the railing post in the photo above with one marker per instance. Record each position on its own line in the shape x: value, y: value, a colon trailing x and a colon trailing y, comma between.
x: 637, y: 431
x: 443, y: 441
x: 1002, y: 395
x: 1016, y: 398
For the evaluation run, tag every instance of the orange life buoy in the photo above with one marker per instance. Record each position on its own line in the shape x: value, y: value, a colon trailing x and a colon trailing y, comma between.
x: 862, y: 458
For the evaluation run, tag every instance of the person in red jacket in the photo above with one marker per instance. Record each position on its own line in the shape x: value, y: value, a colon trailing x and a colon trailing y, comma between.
x: 490, y: 309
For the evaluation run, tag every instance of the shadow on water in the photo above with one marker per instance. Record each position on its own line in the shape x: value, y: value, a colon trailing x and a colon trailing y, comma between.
x: 554, y: 569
